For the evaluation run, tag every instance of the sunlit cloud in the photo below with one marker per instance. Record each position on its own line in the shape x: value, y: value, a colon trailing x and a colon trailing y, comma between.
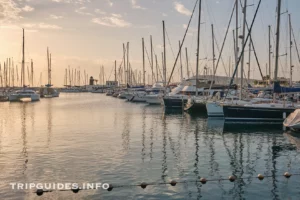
x: 181, y: 9
x: 135, y: 5
x: 82, y: 11
x: 9, y: 10
x: 100, y: 11
x: 113, y: 21
x: 28, y: 8
x: 110, y: 3
x: 56, y: 17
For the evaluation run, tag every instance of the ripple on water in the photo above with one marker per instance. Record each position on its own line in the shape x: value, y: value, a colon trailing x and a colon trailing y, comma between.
x: 94, y: 138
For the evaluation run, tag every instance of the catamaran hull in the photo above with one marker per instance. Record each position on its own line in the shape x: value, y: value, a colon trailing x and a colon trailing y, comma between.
x: 240, y: 114
x: 18, y: 98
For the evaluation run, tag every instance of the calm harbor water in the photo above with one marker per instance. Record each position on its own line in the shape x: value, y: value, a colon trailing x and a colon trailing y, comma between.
x: 94, y: 138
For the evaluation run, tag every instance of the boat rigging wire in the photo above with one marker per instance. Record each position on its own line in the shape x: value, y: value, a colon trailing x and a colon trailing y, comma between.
x: 243, y: 49
x: 182, y: 42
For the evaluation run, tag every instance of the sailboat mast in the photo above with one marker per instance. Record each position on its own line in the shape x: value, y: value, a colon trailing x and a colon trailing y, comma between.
x: 128, y: 75
x: 115, y: 71
x: 164, y: 55
x: 198, y: 46
x: 249, y: 61
x: 9, y: 72
x: 270, y: 47
x: 236, y: 37
x: 213, y: 51
x: 156, y: 67
x: 48, y: 63
x: 143, y: 47
x: 291, y: 45
x: 31, y: 73
x: 124, y: 58
x: 277, y: 39
x: 151, y: 46
x: 187, y: 63
x: 1, y: 76
x: 50, y: 69
x: 180, y: 58
x: 23, y: 60
x: 243, y: 43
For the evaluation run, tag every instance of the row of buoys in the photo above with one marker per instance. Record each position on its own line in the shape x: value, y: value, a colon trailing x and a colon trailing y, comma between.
x: 143, y: 185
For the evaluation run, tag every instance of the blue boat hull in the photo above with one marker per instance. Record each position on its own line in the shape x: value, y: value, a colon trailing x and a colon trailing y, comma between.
x: 241, y: 114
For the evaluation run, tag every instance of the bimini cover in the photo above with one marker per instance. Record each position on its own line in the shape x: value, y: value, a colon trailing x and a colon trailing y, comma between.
x: 293, y: 118
x: 278, y: 89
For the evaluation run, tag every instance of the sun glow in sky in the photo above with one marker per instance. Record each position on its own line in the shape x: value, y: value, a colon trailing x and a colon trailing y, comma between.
x: 86, y: 34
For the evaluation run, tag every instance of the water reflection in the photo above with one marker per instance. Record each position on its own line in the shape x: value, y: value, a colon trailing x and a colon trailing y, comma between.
x: 180, y: 146
x: 164, y: 149
x: 49, y: 121
x: 24, y: 134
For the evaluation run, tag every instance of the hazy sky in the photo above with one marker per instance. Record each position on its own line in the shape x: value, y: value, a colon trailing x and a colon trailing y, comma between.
x: 87, y: 34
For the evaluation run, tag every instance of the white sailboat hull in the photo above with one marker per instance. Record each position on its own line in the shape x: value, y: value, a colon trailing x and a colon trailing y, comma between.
x: 154, y: 99
x: 21, y: 97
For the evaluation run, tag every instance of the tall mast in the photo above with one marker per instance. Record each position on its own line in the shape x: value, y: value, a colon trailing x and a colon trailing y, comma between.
x: 115, y: 71
x: 70, y: 76
x: 17, y: 74
x: 31, y: 73
x: 229, y: 66
x: 277, y: 39
x: 249, y: 61
x: 1, y: 76
x: 181, y: 74
x: 198, y: 46
x: 162, y: 64
x: 50, y: 70
x: 270, y: 47
x: 23, y: 60
x: 213, y: 51
x: 48, y: 63
x: 291, y: 45
x: 128, y: 76
x: 66, y: 77
x: 156, y: 67
x: 236, y: 36
x: 103, y: 75
x: 243, y: 43
x: 152, y: 58
x: 79, y: 77
x: 9, y: 72
x: 143, y: 48
x: 124, y: 58
x: 12, y: 73
x: 165, y: 64
x: 187, y: 63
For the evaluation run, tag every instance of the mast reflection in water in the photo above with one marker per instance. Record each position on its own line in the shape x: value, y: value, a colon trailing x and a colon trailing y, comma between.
x: 95, y: 138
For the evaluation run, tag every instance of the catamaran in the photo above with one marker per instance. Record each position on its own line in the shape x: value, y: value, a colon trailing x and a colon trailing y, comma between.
x: 25, y: 94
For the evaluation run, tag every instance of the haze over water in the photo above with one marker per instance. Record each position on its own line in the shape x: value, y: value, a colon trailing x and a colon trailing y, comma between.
x: 94, y: 138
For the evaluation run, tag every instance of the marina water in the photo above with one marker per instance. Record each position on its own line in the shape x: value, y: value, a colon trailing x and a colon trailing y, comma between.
x: 93, y: 138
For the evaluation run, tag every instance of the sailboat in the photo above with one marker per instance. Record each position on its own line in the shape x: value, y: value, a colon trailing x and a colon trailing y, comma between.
x: 48, y: 91
x: 274, y: 112
x: 24, y: 95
